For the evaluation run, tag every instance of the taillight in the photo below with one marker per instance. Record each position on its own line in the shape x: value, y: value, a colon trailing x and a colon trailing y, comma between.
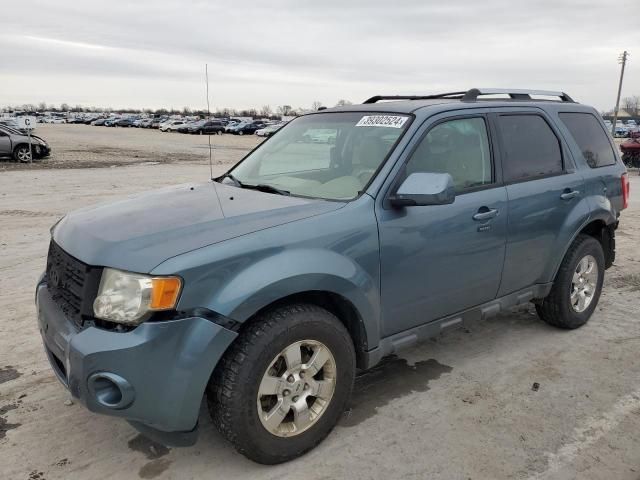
x: 625, y: 190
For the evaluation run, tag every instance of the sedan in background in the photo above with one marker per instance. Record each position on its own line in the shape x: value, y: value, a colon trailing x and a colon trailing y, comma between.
x: 15, y: 144
x: 269, y: 130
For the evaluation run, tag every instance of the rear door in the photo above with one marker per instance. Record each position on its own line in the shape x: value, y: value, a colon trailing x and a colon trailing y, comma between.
x: 545, y: 193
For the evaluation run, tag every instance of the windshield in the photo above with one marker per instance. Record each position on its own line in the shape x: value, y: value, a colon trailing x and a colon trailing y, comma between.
x: 328, y: 155
x: 8, y: 129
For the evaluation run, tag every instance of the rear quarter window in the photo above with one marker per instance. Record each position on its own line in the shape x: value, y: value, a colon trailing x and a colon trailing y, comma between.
x: 590, y: 137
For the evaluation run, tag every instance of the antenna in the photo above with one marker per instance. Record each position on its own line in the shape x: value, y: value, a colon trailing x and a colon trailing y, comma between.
x: 206, y: 74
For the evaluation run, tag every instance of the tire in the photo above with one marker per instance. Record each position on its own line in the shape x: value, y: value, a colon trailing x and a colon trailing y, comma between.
x: 233, y: 389
x: 219, y: 132
x: 559, y: 307
x: 22, y: 154
x: 240, y: 132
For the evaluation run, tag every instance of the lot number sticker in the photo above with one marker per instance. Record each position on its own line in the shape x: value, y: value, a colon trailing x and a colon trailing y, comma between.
x: 390, y: 121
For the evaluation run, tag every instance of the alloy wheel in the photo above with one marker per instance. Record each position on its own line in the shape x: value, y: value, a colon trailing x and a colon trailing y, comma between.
x: 296, y: 388
x: 584, y: 283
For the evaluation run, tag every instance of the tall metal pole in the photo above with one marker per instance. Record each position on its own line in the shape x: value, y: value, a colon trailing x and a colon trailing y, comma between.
x: 623, y: 60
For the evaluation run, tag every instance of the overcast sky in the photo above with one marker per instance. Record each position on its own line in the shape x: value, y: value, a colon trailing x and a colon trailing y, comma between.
x: 152, y: 53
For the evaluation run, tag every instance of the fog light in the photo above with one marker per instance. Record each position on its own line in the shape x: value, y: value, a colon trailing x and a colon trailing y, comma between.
x: 111, y: 390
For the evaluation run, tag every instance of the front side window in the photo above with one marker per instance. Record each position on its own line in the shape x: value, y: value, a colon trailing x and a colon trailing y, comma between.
x: 590, y: 137
x: 326, y: 155
x: 458, y: 147
x: 529, y: 146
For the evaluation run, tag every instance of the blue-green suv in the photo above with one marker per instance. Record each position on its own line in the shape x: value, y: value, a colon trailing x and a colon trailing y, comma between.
x: 349, y: 234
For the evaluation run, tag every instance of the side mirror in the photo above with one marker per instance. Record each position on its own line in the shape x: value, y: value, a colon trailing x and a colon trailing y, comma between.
x: 420, y: 189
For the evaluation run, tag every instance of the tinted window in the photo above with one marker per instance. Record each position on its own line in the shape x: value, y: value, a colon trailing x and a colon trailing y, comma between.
x: 590, y: 137
x: 458, y: 147
x: 530, y: 148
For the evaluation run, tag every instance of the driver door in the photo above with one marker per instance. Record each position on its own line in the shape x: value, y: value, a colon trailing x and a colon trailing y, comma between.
x: 441, y: 259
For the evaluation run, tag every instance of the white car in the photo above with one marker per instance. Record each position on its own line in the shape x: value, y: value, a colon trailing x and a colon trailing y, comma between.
x: 55, y: 120
x: 171, y: 125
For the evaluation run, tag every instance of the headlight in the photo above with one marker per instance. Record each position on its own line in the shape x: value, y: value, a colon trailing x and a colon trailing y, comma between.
x: 125, y: 297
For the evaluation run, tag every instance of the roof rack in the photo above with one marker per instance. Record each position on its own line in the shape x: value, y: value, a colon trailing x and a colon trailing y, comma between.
x: 517, y: 94
x: 472, y: 95
x: 377, y: 98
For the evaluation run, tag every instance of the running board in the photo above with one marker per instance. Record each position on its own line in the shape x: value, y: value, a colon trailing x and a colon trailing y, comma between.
x: 408, y: 338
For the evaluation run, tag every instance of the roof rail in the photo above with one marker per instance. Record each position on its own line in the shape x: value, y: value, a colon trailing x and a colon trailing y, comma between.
x: 377, y: 98
x: 516, y: 94
x: 472, y: 95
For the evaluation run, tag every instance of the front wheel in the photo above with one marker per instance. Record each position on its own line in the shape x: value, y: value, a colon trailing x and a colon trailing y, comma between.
x: 22, y: 153
x: 284, y: 383
x: 577, y: 287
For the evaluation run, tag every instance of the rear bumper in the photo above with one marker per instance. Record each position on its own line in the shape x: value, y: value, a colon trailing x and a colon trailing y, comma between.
x: 153, y: 376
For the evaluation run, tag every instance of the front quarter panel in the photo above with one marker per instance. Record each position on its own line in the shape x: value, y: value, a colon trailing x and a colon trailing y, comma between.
x: 335, y: 252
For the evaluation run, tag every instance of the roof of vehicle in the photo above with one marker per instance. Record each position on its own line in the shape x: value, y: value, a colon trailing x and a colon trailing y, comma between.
x: 470, y: 98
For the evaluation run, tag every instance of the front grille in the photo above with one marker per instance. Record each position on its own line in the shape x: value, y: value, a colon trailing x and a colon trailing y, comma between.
x: 73, y: 285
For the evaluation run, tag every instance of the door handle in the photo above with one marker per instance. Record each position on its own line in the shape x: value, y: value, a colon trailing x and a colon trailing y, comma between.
x: 485, y: 213
x: 569, y: 194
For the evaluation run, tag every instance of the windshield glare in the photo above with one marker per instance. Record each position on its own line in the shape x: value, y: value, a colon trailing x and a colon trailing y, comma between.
x: 328, y: 155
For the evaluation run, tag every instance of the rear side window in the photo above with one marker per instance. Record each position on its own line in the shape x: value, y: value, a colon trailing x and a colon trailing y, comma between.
x: 529, y: 146
x: 590, y: 137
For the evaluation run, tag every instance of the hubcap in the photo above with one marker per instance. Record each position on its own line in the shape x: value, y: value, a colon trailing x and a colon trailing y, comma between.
x: 24, y: 155
x: 297, y: 388
x: 583, y: 283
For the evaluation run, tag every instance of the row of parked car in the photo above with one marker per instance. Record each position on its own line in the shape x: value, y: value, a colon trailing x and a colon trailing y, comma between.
x: 210, y: 126
x: 623, y: 129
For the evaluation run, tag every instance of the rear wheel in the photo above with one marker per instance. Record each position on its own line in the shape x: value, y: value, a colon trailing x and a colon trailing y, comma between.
x: 22, y: 153
x: 284, y: 383
x: 577, y: 287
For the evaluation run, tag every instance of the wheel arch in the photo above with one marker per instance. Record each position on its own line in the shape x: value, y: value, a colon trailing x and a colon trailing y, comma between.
x: 600, y: 228
x: 338, y: 305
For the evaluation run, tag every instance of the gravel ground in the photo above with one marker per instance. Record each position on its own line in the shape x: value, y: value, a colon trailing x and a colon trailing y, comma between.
x: 461, y: 406
x: 85, y: 146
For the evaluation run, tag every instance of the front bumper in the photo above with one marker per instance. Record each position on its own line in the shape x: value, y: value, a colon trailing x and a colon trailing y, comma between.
x: 153, y: 376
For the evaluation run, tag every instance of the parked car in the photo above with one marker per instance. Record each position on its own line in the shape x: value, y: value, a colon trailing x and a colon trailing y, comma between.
x: 111, y: 122
x: 15, y: 144
x: 269, y: 130
x: 172, y: 126
x: 157, y: 122
x: 99, y: 122
x: 55, y: 120
x: 267, y: 288
x: 245, y: 128
x: 230, y: 125
x: 631, y: 149
x: 124, y: 122
x: 207, y: 127
x: 145, y: 123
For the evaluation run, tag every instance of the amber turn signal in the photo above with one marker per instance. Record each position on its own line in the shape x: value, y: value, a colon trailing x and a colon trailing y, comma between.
x: 164, y: 295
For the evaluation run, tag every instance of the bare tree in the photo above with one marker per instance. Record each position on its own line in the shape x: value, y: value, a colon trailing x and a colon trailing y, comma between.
x: 316, y: 105
x: 266, y: 111
x: 285, y: 110
x: 342, y: 102
x: 632, y: 105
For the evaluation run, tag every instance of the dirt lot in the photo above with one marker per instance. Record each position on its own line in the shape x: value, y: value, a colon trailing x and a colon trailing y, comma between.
x: 460, y: 406
x: 85, y: 146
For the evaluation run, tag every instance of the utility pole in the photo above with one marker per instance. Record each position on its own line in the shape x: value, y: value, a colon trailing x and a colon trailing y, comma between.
x: 623, y: 60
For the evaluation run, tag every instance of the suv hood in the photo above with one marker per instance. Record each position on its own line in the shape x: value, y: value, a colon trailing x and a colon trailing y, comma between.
x: 139, y: 233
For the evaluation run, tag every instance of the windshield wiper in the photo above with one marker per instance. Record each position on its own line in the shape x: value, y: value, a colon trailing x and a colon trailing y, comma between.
x: 263, y: 187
